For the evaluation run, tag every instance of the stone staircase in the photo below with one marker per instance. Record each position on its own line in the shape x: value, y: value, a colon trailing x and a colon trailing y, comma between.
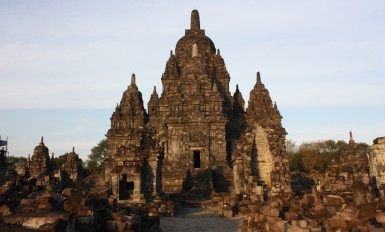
x: 223, y: 178
x: 199, y: 185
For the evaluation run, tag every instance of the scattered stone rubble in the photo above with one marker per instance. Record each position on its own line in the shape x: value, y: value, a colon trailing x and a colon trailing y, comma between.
x: 64, y: 199
x: 27, y: 206
x: 346, y: 201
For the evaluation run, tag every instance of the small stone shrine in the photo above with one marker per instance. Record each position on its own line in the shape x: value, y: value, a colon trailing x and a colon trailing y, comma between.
x: 73, y: 167
x: 40, y: 163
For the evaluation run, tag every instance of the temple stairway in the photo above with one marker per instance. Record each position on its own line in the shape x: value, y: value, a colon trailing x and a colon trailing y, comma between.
x: 222, y: 178
x: 199, y: 185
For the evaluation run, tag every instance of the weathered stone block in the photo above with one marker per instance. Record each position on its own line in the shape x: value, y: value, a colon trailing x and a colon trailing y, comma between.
x: 270, y: 211
x: 274, y: 226
x: 350, y: 213
x: 67, y: 192
x: 380, y: 217
x: 290, y: 216
x: 297, y: 229
x: 366, y: 211
x: 332, y: 200
x: 27, y: 202
x: 5, y: 210
x: 336, y: 223
x: 228, y: 212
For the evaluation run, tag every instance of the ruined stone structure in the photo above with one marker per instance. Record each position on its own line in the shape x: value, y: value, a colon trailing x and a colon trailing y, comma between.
x: 40, y: 163
x: 73, y: 167
x: 376, y: 156
x: 352, y: 169
x: 197, y: 138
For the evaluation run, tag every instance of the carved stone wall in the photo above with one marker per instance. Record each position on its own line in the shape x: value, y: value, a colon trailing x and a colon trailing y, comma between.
x: 376, y: 156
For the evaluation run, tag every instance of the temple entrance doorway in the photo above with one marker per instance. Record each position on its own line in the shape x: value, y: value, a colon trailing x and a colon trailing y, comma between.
x: 197, y: 159
x: 125, y: 188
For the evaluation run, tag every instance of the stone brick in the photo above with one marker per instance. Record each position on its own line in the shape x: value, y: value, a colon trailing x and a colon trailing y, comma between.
x: 350, y: 213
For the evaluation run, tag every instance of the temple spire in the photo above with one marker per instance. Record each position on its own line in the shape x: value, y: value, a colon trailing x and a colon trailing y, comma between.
x: 42, y: 140
x: 133, y: 79
x: 259, y: 78
x: 73, y: 149
x: 154, y: 92
x: 195, y: 22
x: 351, y: 137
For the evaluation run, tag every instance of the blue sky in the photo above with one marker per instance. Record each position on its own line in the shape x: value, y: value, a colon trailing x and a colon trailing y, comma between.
x: 65, y: 64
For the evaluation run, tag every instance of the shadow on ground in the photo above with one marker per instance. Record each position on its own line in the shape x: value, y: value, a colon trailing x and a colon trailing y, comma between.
x: 201, y: 220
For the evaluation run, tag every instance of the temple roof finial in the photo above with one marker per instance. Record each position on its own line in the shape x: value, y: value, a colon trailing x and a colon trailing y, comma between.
x: 275, y: 105
x: 133, y: 79
x: 154, y: 89
x: 218, y: 51
x: 259, y: 78
x: 351, y: 136
x: 73, y: 149
x: 195, y: 22
x: 171, y: 53
x: 236, y: 88
x: 42, y: 140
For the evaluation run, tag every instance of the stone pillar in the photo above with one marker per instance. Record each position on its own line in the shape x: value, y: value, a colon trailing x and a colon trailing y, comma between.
x: 238, y: 175
x: 137, y: 187
x: 153, y: 162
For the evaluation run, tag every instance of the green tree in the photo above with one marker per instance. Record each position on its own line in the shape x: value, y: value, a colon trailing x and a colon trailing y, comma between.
x: 315, y: 156
x: 363, y: 148
x: 295, y: 158
x: 15, y: 161
x: 95, y: 162
x: 60, y: 160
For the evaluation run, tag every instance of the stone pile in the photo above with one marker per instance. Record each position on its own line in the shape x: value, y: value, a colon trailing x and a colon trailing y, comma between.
x: 131, y: 218
x: 162, y: 208
x: 345, y: 202
x: 25, y: 206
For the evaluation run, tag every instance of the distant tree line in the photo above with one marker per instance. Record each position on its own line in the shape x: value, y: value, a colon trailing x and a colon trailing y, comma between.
x: 315, y: 156
x: 306, y: 157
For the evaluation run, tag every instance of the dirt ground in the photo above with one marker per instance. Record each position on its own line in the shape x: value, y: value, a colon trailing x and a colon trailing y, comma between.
x: 201, y: 220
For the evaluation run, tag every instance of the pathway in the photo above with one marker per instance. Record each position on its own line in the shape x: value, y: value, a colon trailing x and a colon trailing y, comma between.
x: 201, y: 220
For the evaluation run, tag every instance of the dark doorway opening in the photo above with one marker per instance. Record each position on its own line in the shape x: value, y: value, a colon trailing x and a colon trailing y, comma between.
x: 125, y: 188
x: 197, y: 159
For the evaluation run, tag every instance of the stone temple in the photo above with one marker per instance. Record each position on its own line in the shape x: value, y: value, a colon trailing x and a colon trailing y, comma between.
x: 196, y: 139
